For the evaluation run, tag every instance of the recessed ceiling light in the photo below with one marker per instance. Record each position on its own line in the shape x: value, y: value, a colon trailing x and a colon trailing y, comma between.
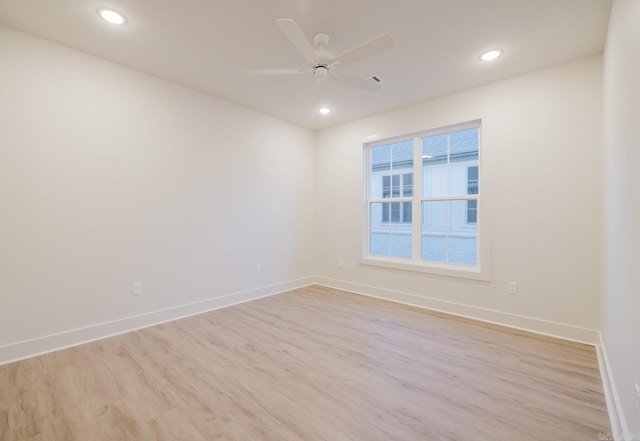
x: 111, y: 16
x: 324, y: 110
x: 491, y: 55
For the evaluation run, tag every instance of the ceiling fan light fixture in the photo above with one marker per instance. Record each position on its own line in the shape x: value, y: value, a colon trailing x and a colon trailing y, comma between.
x: 111, y: 16
x: 491, y: 55
x: 320, y: 72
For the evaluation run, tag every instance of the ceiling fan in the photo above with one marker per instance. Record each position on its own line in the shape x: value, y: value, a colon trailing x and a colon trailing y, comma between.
x: 322, y: 63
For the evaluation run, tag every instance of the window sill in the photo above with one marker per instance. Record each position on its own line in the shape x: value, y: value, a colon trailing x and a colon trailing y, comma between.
x: 447, y: 270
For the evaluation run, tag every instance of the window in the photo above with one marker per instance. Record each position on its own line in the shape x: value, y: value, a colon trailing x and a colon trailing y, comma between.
x: 422, y: 201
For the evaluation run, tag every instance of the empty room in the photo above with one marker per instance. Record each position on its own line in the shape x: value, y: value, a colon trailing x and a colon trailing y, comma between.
x: 304, y: 220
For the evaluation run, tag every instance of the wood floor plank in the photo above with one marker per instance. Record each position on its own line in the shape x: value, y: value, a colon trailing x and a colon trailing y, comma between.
x: 314, y: 364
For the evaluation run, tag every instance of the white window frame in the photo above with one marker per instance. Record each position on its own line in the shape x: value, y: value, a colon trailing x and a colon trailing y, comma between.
x: 478, y: 272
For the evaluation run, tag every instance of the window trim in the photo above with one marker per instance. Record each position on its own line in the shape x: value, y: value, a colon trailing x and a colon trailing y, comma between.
x: 479, y: 272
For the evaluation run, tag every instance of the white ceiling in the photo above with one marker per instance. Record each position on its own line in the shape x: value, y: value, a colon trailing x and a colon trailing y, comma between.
x: 206, y: 44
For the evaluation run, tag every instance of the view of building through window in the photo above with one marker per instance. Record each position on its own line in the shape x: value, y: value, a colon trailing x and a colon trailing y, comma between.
x: 425, y: 187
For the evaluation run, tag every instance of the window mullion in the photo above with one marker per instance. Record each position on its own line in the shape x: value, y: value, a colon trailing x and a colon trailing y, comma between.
x: 462, y: 197
x: 407, y: 199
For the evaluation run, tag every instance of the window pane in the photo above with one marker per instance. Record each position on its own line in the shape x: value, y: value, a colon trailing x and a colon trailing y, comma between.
x: 380, y: 158
x: 446, y: 234
x: 379, y: 213
x: 388, y: 239
x: 386, y: 158
x: 463, y: 248
x: 472, y: 180
x: 395, y: 186
x: 463, y: 145
x: 472, y: 212
x: 458, y: 179
x: 378, y: 223
x: 379, y: 242
x: 386, y: 186
x: 395, y: 212
x: 380, y: 185
x: 434, y: 246
x: 463, y: 178
x: 472, y: 173
x: 385, y: 212
x: 407, y: 185
x: 446, y: 161
x: 400, y: 239
x: 434, y: 150
x: 458, y: 211
x: 435, y: 172
x: 434, y: 215
x: 406, y: 212
x: 402, y: 155
x: 435, y: 180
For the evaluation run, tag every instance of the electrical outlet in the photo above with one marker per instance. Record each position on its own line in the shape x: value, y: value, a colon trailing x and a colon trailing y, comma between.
x: 341, y: 263
x: 259, y: 268
x: 136, y: 288
x: 512, y: 288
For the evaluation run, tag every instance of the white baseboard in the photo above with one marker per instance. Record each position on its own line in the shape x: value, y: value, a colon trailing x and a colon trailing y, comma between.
x: 49, y: 343
x: 619, y: 428
x: 538, y: 326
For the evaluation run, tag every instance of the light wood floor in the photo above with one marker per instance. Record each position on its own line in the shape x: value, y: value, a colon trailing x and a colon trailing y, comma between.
x: 312, y: 364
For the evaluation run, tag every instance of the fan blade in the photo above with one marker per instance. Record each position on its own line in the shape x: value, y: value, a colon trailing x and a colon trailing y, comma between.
x: 293, y: 71
x: 295, y: 36
x: 371, y: 47
x: 360, y: 83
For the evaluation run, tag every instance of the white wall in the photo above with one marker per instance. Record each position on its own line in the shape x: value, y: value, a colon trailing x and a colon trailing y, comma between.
x: 621, y: 300
x: 109, y: 176
x: 542, y: 138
